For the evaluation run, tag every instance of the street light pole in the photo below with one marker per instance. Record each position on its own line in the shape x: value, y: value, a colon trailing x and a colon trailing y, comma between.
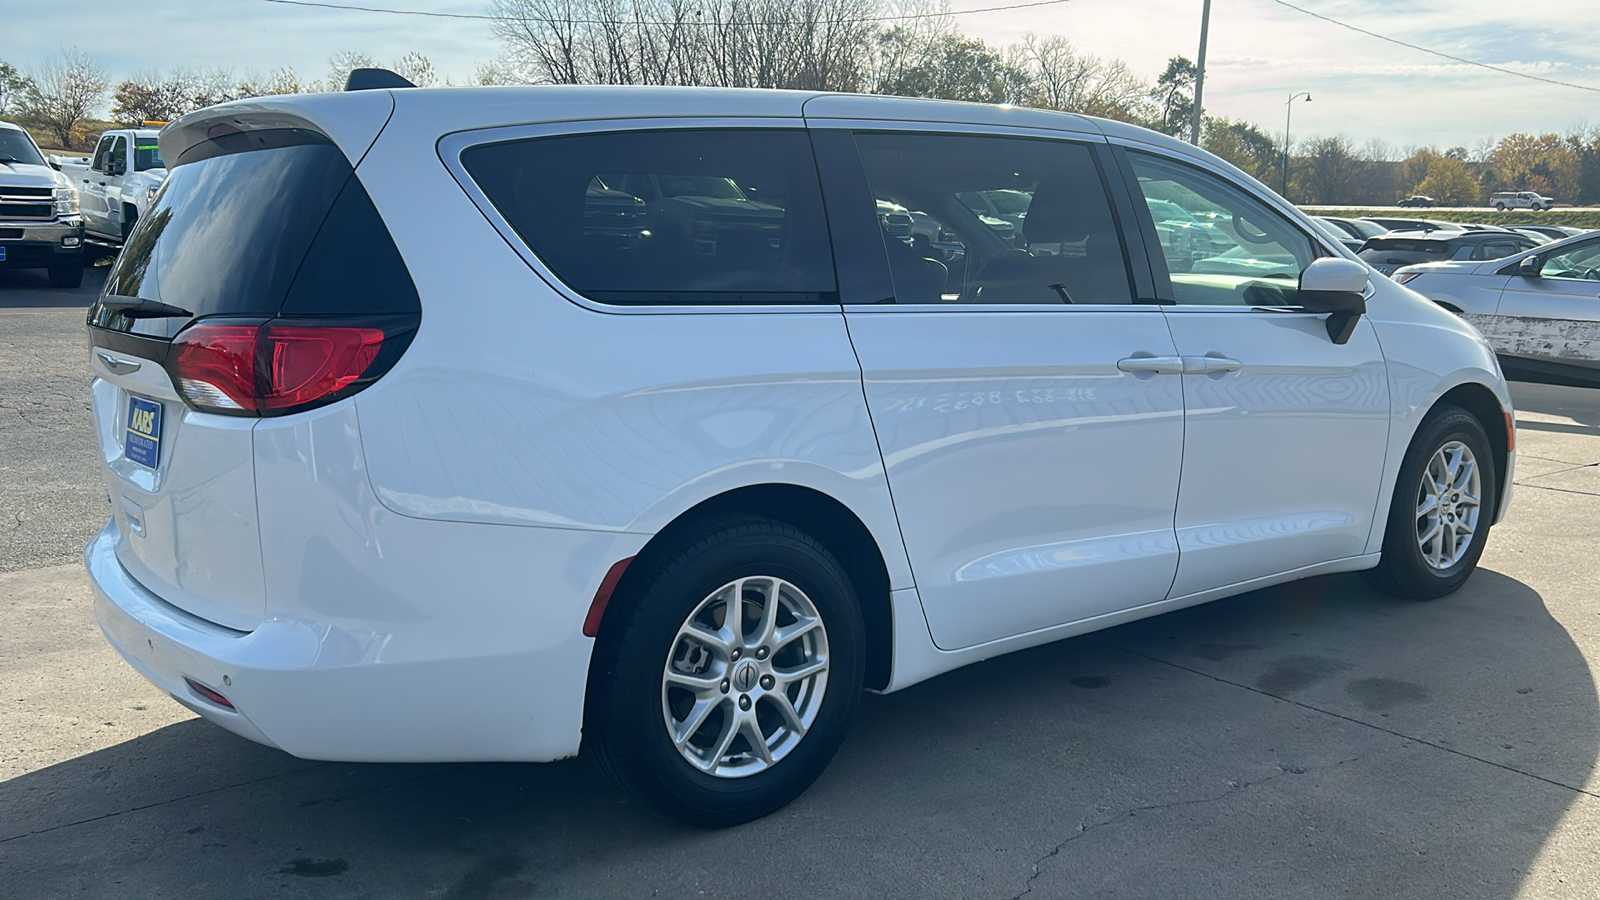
x: 1289, y: 111
x: 1200, y: 73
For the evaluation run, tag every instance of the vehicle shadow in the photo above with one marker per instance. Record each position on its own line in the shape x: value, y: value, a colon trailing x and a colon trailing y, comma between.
x: 1310, y: 740
x: 30, y: 289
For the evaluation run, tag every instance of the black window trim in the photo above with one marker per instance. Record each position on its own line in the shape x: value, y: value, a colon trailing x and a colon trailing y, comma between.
x: 846, y: 173
x: 450, y: 148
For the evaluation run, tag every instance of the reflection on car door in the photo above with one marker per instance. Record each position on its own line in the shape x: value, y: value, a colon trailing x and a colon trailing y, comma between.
x: 1554, y: 317
x: 1285, y: 431
x: 1034, y: 479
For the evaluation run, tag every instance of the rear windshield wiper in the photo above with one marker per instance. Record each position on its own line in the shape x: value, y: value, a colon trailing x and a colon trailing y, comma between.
x: 141, y: 308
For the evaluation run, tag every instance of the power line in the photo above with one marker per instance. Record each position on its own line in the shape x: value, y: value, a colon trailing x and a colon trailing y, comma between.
x: 1459, y: 59
x: 442, y: 15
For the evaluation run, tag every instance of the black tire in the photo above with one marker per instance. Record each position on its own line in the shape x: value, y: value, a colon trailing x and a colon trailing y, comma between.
x: 1403, y: 571
x: 624, y: 715
x: 66, y: 276
x: 1500, y: 207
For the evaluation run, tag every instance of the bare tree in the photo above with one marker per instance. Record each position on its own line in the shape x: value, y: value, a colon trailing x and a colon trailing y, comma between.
x: 817, y: 44
x: 417, y: 69
x: 63, y: 92
x: 12, y: 84
x: 1064, y: 78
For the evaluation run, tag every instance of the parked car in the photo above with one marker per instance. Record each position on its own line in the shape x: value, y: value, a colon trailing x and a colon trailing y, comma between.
x: 1521, y: 200
x: 1554, y: 232
x: 1403, y: 248
x: 1539, y: 237
x: 1393, y: 223
x: 1357, y: 229
x: 1416, y: 200
x: 406, y: 465
x: 40, y: 223
x: 1538, y: 308
x: 118, y: 183
x: 1354, y: 244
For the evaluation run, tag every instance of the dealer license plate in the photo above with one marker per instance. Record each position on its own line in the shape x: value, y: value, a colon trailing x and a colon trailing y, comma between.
x: 142, y: 444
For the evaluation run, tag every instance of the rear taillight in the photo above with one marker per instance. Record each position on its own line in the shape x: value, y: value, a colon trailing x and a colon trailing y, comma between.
x: 278, y: 367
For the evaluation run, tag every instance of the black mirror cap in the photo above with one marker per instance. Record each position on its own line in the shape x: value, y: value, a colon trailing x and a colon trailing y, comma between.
x: 1344, y: 308
x: 375, y: 80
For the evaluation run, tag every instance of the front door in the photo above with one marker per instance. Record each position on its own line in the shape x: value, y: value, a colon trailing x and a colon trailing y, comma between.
x: 1555, y: 317
x: 1029, y: 412
x: 1286, y: 431
x: 92, y: 187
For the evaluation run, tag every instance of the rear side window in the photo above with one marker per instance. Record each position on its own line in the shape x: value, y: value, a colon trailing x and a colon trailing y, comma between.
x: 251, y: 224
x: 1007, y: 220
x: 678, y: 217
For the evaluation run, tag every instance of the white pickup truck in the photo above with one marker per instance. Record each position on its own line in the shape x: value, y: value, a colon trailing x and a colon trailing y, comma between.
x: 117, y: 183
x: 1521, y: 200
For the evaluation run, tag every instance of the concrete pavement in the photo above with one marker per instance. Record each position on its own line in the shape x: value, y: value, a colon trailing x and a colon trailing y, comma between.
x: 1309, y: 741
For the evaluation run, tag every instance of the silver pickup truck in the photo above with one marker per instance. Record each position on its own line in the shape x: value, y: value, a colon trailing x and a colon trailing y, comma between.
x: 40, y: 223
x: 118, y: 182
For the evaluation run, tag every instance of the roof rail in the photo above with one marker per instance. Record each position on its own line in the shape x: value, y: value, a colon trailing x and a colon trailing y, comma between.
x: 375, y: 80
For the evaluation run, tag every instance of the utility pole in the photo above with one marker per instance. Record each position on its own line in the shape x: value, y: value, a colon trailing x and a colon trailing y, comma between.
x: 1289, y: 107
x: 1200, y: 72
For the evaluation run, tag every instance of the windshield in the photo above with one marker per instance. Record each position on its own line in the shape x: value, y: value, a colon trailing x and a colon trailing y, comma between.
x: 1010, y: 202
x: 146, y: 155
x: 16, y: 146
x: 1166, y: 211
x: 1367, y: 229
x: 699, y: 186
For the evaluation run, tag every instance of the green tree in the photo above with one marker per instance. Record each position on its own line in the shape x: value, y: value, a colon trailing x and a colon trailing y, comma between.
x: 1242, y: 144
x: 1543, y: 163
x: 957, y: 67
x: 1326, y: 171
x: 13, y: 83
x: 1449, y: 181
x: 1174, y: 97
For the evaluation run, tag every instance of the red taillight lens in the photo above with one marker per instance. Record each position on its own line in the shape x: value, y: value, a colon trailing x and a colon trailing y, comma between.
x: 311, y: 362
x: 270, y: 368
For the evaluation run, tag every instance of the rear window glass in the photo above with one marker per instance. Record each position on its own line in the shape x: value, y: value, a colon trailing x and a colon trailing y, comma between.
x: 668, y: 217
x: 1400, y: 245
x: 238, y: 219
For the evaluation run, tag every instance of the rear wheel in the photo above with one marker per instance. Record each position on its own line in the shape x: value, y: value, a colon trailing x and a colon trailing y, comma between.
x: 735, y: 676
x: 1500, y: 207
x: 1443, y: 503
x: 66, y: 276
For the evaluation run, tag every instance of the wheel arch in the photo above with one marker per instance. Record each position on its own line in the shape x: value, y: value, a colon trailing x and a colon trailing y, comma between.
x: 825, y: 518
x: 1481, y: 402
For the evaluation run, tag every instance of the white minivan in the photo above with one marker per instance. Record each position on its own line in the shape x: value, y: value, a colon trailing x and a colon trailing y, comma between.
x: 500, y: 423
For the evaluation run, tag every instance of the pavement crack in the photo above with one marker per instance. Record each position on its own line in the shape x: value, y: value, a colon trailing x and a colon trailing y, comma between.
x: 1546, y: 487
x: 1328, y: 712
x: 1234, y: 787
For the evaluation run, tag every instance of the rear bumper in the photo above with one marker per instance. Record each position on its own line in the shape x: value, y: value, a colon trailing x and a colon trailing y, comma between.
x: 319, y: 690
x: 31, y: 245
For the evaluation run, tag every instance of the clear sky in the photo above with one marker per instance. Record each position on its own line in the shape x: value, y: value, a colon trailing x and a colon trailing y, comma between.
x: 1260, y: 52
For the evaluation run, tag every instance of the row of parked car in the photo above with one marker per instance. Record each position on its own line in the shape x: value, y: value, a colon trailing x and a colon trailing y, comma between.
x: 1530, y: 289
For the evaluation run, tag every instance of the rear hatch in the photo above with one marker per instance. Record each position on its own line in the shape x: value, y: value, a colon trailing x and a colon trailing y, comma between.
x: 261, y: 283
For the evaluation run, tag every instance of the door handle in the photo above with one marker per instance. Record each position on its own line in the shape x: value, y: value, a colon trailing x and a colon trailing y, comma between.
x: 1208, y: 365
x: 1155, y: 365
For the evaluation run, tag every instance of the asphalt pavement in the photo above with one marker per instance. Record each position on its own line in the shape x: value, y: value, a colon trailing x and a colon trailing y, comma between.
x: 1313, y: 740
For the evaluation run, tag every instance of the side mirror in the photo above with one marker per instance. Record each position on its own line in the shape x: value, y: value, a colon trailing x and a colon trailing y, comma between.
x: 1531, y: 266
x: 1337, y: 287
x: 53, y: 161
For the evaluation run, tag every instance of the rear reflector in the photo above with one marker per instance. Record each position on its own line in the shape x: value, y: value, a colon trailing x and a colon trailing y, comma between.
x: 276, y: 367
x: 207, y: 693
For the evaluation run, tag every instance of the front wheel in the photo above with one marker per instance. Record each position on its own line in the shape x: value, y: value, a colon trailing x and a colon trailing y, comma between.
x: 734, y: 677
x: 1443, y: 503
x: 1500, y: 207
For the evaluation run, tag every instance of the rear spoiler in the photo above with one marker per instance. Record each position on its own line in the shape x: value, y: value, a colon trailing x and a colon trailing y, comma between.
x: 352, y: 121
